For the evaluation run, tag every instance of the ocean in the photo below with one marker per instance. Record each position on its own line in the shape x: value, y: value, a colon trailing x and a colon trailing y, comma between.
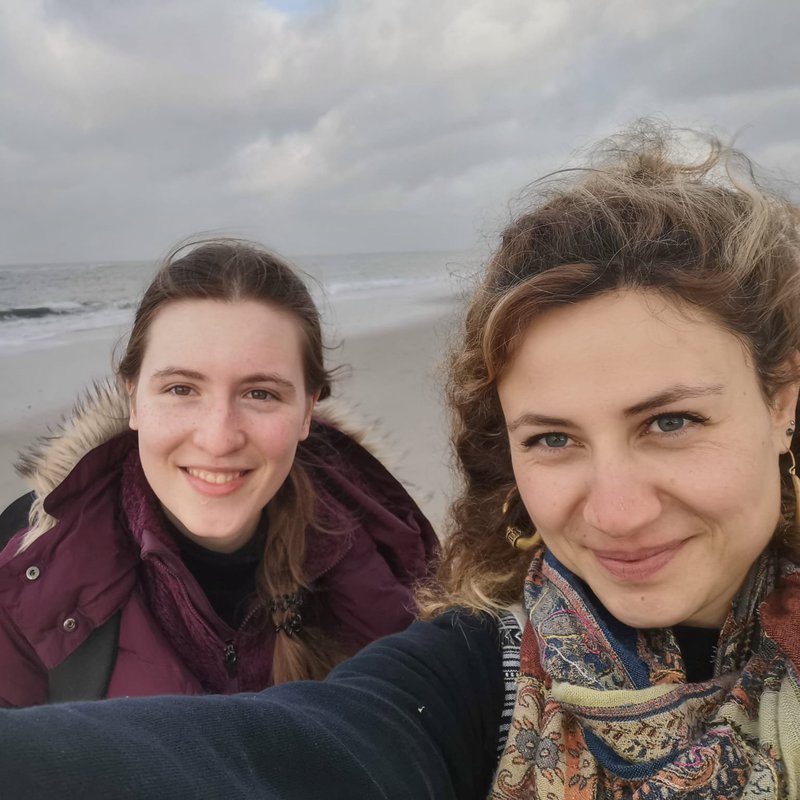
x: 43, y: 303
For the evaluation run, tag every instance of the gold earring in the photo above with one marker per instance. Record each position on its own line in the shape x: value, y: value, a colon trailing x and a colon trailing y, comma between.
x: 513, y: 534
x: 796, y: 487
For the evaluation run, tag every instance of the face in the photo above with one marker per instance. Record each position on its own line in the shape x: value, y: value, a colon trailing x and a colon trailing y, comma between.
x: 646, y: 453
x: 220, y: 405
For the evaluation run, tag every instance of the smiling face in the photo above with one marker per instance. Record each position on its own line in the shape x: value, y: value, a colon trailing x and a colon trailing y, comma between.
x: 219, y: 406
x: 646, y: 454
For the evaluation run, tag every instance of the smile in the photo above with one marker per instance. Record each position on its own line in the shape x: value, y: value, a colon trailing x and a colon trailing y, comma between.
x: 216, y: 477
x: 640, y: 564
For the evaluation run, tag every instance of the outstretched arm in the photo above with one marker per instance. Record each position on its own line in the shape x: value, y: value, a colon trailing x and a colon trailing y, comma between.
x: 414, y: 715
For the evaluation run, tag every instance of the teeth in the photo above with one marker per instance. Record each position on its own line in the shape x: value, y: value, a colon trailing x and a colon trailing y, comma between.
x: 213, y: 477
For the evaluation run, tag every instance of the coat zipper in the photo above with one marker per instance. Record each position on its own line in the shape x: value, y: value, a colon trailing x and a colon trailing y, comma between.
x: 231, y: 659
x: 229, y: 655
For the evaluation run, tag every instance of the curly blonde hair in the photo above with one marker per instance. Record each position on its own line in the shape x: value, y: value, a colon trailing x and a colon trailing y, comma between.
x: 637, y: 217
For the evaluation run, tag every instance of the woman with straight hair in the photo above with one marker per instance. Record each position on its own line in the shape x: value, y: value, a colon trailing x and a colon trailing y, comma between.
x: 617, y: 608
x: 200, y: 509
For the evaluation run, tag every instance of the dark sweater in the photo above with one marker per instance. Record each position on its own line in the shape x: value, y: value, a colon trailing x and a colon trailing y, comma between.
x: 228, y: 580
x: 698, y: 647
x: 414, y: 715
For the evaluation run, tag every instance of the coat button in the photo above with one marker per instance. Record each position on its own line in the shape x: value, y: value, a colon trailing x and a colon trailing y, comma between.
x: 32, y: 573
x: 70, y: 623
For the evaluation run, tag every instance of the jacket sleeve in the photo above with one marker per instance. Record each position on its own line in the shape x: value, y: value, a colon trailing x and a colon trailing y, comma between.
x: 414, y: 715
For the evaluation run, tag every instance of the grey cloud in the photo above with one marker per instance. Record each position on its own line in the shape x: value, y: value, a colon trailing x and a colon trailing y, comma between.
x: 349, y: 126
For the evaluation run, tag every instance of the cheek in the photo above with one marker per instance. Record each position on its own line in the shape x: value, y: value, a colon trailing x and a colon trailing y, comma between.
x: 274, y: 435
x: 736, y: 477
x: 745, y: 502
x: 550, y: 495
x: 277, y: 437
x: 159, y: 431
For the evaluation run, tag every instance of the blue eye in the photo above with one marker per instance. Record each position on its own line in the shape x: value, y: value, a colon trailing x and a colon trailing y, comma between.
x: 675, y: 423
x: 548, y: 443
x: 669, y: 423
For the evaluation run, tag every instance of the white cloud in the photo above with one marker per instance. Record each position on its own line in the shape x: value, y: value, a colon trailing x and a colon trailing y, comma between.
x: 350, y: 125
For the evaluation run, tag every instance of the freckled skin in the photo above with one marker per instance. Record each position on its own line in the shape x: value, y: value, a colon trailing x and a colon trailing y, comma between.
x: 696, y: 477
x: 232, y: 408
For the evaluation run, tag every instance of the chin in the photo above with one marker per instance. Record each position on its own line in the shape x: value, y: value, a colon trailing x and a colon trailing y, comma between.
x: 635, y: 613
x: 203, y: 535
x: 643, y: 621
x: 219, y: 536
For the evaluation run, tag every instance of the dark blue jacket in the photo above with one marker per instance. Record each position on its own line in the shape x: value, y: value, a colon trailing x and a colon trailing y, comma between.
x: 414, y: 715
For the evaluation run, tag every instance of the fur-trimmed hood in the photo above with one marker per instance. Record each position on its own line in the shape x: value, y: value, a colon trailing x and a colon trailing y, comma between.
x: 101, y: 413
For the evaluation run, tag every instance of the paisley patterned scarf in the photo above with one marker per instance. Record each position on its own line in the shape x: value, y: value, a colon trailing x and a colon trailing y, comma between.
x: 604, y: 710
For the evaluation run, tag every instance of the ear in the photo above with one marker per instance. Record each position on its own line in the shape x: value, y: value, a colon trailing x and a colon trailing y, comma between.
x: 133, y: 419
x: 784, y: 405
x: 306, y: 429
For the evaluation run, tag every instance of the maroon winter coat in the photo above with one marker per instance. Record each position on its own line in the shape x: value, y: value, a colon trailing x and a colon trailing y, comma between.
x: 90, y: 554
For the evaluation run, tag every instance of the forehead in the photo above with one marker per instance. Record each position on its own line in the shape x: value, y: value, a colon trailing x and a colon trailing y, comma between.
x: 217, y: 330
x: 621, y: 346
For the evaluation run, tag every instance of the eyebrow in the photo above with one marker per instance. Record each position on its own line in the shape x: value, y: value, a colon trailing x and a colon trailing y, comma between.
x: 256, y: 377
x: 673, y: 394
x: 177, y: 372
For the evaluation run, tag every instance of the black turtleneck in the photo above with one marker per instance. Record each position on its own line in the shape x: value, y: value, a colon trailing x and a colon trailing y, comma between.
x: 227, y: 579
x: 698, y: 648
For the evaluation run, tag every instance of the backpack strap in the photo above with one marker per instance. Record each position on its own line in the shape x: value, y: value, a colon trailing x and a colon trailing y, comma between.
x: 86, y: 673
x: 15, y: 518
x: 510, y: 625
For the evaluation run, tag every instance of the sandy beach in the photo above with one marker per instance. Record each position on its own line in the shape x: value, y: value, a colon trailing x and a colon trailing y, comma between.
x: 391, y: 386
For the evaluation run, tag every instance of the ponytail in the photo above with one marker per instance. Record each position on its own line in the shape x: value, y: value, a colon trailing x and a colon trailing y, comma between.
x: 301, y: 652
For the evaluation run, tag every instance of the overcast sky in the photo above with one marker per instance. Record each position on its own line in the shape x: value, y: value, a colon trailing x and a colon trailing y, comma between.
x: 349, y: 125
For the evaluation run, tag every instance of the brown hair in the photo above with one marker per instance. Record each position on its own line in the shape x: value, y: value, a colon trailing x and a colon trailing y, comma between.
x: 231, y: 270
x: 703, y: 233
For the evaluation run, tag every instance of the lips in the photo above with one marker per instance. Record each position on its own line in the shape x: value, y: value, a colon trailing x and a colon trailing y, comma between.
x: 215, y: 476
x: 638, y: 565
x: 215, y: 482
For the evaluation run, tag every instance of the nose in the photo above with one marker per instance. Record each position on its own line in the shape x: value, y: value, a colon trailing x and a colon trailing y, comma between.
x: 219, y: 430
x: 621, y: 497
